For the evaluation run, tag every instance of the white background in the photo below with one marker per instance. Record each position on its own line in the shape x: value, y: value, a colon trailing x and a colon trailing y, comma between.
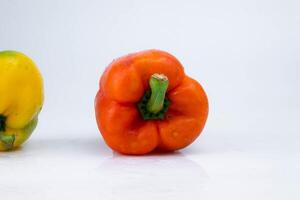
x: 244, y: 53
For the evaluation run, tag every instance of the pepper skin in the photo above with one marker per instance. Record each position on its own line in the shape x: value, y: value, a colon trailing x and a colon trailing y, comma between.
x: 146, y: 102
x: 21, y: 98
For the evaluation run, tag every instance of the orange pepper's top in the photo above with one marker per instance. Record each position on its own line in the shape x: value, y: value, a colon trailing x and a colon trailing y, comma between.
x: 146, y: 102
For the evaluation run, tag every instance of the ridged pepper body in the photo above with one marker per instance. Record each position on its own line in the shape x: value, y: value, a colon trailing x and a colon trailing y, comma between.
x: 21, y: 98
x: 124, y: 125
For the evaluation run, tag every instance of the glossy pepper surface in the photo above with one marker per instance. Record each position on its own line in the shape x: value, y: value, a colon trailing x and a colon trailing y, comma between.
x: 21, y: 98
x: 146, y: 102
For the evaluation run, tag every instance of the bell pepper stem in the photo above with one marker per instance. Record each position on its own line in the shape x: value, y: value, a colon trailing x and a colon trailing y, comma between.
x: 8, y: 141
x: 158, y: 84
x: 2, y: 122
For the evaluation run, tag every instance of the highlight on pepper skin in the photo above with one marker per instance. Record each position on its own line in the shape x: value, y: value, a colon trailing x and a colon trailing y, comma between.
x: 146, y: 102
x: 21, y: 98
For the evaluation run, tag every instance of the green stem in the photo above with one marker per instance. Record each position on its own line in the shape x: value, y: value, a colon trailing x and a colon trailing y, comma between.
x: 159, y: 85
x: 2, y: 122
x: 154, y: 104
x: 7, y: 140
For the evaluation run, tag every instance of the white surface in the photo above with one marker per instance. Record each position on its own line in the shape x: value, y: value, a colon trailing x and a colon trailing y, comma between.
x: 244, y: 53
x: 215, y: 167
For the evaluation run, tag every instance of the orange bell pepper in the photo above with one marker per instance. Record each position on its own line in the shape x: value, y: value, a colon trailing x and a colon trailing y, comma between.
x: 146, y: 102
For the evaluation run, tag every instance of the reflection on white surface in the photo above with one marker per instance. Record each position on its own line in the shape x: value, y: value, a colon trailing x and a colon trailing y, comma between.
x: 230, y: 167
x: 44, y: 169
x: 167, y: 176
x: 235, y: 167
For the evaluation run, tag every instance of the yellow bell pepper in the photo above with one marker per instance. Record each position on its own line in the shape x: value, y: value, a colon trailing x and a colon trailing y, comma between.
x: 21, y: 98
